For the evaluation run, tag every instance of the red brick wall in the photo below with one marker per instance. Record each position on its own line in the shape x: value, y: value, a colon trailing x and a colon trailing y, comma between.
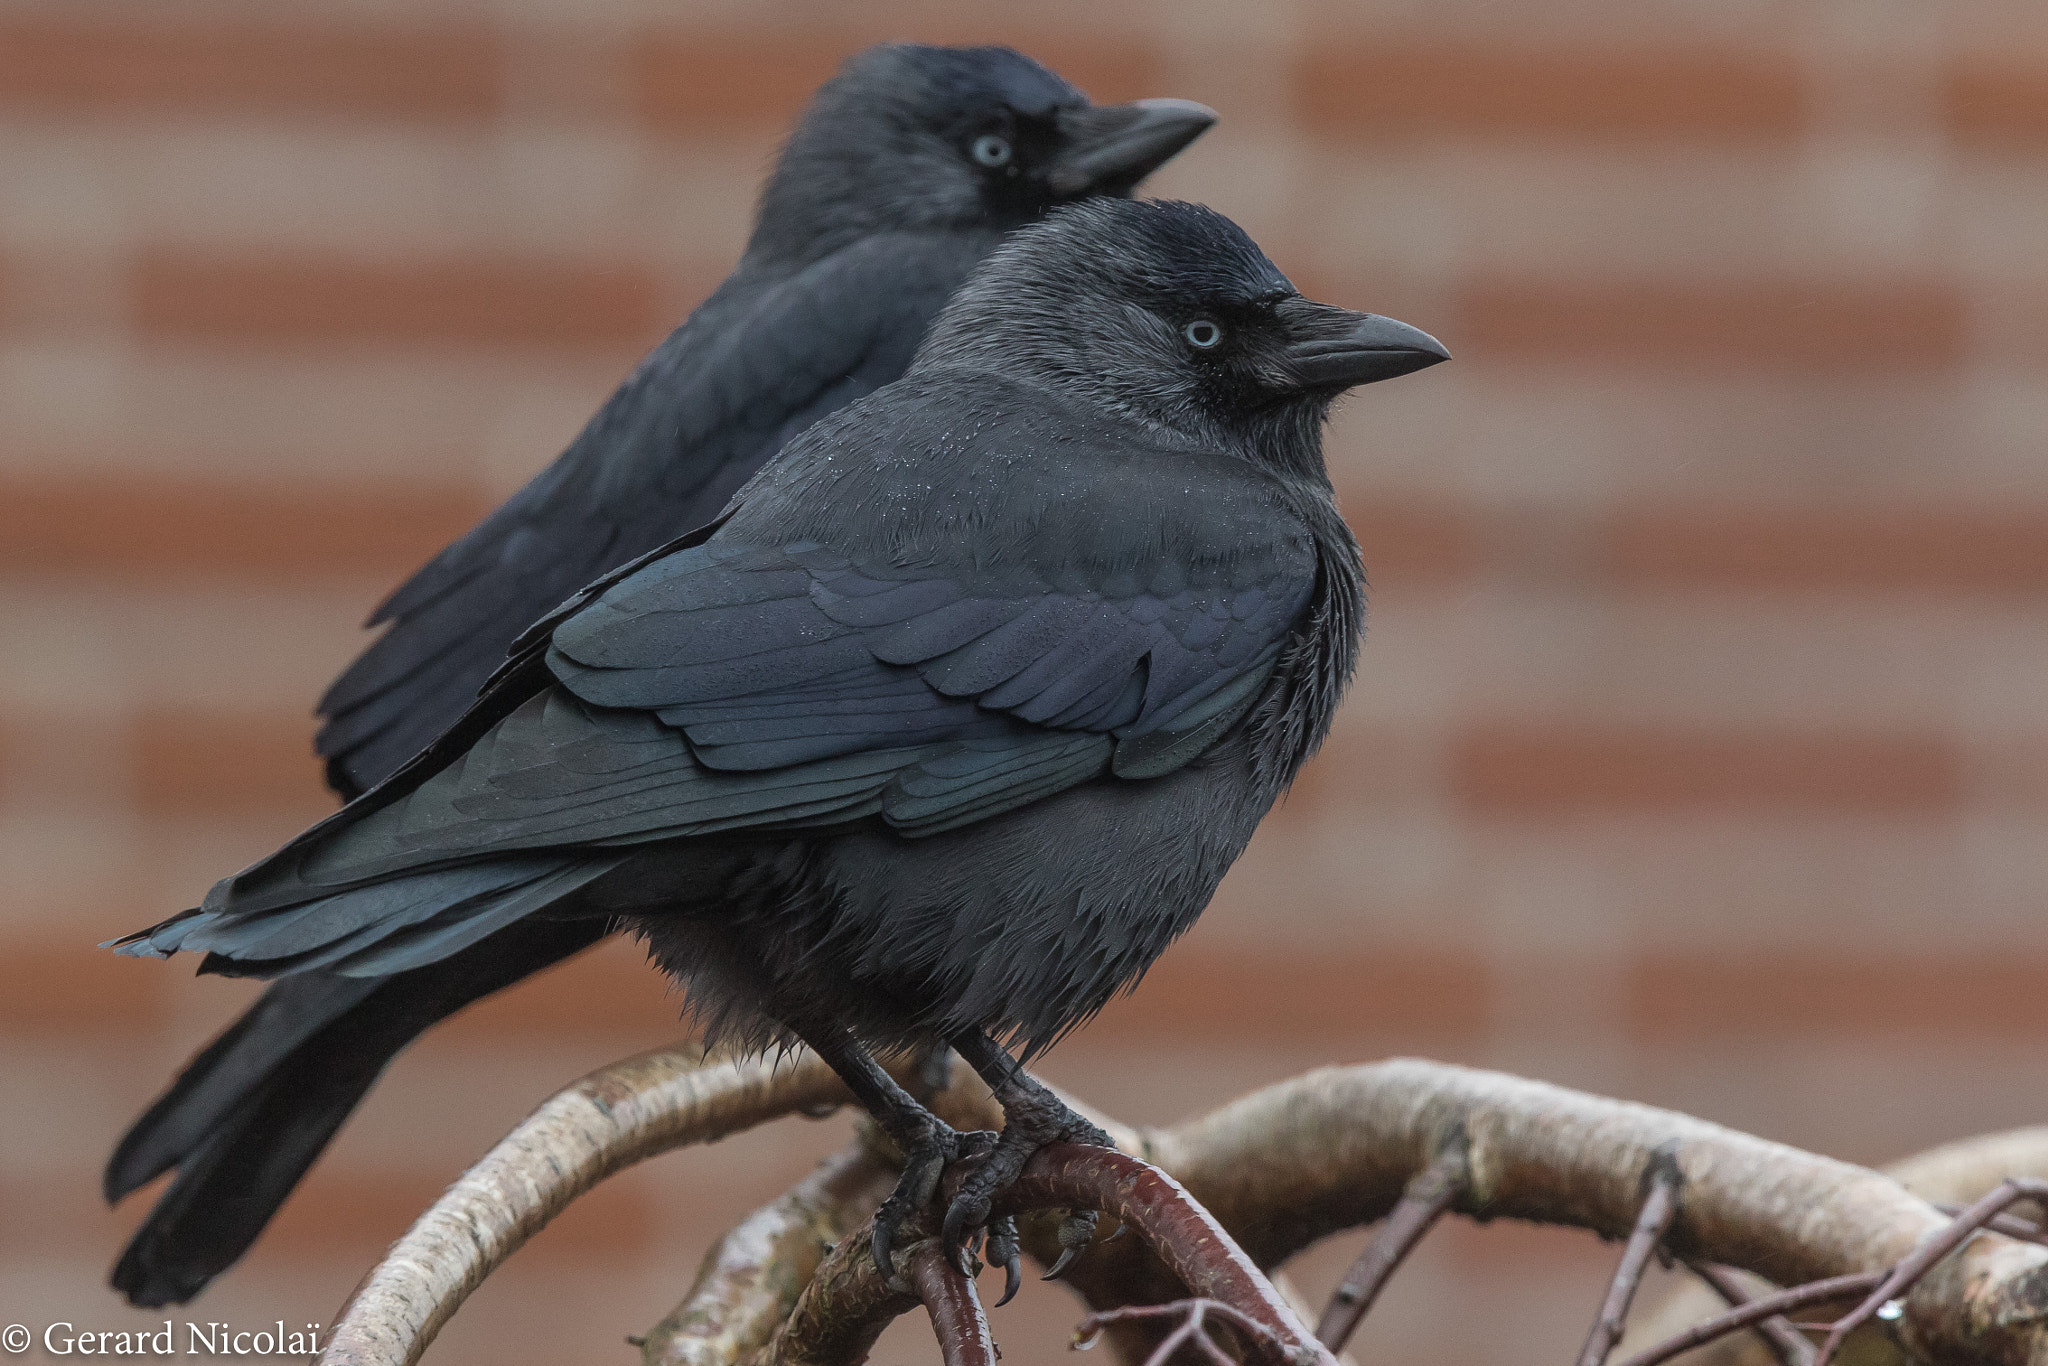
x: 1700, y: 749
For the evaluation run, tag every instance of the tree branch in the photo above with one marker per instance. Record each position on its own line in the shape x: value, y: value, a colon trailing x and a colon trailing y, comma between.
x: 1949, y: 1177
x: 1289, y: 1164
x: 609, y: 1120
x: 1182, y: 1234
x: 752, y: 1276
x: 842, y: 1310
x: 1258, y: 1340
x: 1422, y: 1203
x: 848, y: 1302
x: 1756, y: 1311
x: 955, y: 1309
x: 1931, y: 1253
x: 1660, y: 1207
x: 1776, y: 1333
x: 1282, y: 1167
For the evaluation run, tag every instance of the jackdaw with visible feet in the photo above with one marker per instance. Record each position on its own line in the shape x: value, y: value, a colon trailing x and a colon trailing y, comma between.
x: 945, y: 729
x: 906, y: 171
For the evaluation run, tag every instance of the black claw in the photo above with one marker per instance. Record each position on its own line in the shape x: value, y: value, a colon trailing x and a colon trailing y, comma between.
x: 1077, y: 1230
x: 884, y: 1239
x: 961, y: 1218
x: 1004, y: 1246
x: 1013, y: 1279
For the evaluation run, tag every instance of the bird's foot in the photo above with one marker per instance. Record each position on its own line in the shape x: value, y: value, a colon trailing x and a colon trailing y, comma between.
x: 1033, y: 1118
x: 924, y: 1162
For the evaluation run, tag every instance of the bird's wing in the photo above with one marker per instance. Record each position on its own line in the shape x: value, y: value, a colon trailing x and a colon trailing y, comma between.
x: 1093, y: 616
x: 731, y: 685
x: 756, y: 364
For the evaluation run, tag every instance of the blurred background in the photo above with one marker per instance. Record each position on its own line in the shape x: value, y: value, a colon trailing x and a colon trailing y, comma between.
x: 1699, y: 754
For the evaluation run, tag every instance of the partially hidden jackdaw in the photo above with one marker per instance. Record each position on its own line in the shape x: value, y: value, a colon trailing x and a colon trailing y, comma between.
x: 946, y: 728
x: 907, y: 169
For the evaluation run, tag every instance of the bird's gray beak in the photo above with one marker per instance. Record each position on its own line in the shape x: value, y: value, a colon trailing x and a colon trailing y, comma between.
x: 1335, y: 348
x: 1111, y: 147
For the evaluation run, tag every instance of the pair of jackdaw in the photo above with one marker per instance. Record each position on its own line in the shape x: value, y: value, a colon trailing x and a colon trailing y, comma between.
x: 933, y: 731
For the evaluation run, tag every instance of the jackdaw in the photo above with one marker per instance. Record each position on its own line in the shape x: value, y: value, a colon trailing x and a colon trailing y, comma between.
x: 907, y: 169
x: 947, y: 726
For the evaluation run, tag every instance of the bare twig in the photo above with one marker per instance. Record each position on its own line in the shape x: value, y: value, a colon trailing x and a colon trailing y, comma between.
x: 1422, y: 1203
x: 1950, y: 1176
x: 1924, y: 1258
x: 1756, y: 1311
x: 954, y: 1306
x: 1662, y: 1181
x: 1779, y: 1337
x: 2011, y: 1225
x: 1194, y: 1315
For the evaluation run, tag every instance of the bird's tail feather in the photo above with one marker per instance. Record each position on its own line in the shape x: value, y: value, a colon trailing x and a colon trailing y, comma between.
x: 375, y: 928
x: 266, y: 1039
x: 250, y: 1114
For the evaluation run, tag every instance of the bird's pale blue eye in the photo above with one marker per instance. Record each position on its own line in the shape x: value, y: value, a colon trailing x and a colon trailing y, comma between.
x: 1202, y: 334
x: 991, y: 150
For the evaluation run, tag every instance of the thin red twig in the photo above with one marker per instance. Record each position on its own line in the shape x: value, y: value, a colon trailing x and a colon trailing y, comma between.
x: 1196, y: 1311
x: 1907, y: 1273
x: 955, y: 1308
x: 1779, y: 1335
x: 1660, y: 1207
x: 1422, y: 1203
x: 1755, y: 1312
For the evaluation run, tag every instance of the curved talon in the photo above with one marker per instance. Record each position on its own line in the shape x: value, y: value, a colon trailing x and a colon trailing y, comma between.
x: 883, y: 1240
x: 962, y: 1216
x: 1004, y: 1246
x: 1077, y: 1230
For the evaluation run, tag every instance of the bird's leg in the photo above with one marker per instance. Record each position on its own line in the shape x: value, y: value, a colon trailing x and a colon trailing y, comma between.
x: 1032, y: 1118
x: 934, y: 1071
x: 927, y: 1142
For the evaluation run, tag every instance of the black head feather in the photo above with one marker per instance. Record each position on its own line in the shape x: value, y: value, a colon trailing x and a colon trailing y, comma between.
x: 1113, y: 301
x: 910, y: 137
